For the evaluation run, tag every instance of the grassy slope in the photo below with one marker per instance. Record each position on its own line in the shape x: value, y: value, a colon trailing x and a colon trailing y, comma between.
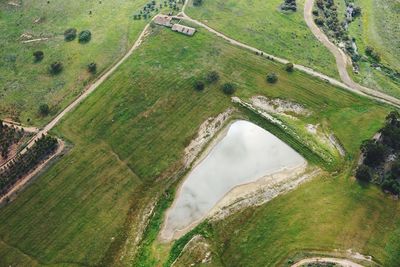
x: 378, y: 27
x: 324, y: 214
x: 25, y: 84
x: 260, y: 24
x: 134, y: 128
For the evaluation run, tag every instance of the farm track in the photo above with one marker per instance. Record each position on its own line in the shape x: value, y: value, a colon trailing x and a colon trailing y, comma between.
x: 341, y: 58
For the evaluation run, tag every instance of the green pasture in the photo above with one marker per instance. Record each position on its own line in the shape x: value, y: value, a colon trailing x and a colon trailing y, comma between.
x: 127, y: 142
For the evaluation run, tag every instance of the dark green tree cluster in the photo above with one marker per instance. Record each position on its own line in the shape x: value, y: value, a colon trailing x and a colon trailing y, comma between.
x: 289, y: 5
x: 210, y: 78
x: 381, y: 157
x: 272, y: 77
x: 24, y: 163
x: 8, y: 137
x: 228, y: 88
x: 327, y: 16
x: 70, y: 34
x: 84, y: 36
x: 152, y: 6
x: 56, y: 67
x: 38, y: 55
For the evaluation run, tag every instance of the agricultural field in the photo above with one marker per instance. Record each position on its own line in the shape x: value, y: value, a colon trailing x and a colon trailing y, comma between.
x: 122, y: 153
x: 378, y: 27
x: 126, y: 146
x: 263, y: 25
x: 26, y: 83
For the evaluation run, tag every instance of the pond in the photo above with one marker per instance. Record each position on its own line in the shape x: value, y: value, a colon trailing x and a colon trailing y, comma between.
x: 244, y: 153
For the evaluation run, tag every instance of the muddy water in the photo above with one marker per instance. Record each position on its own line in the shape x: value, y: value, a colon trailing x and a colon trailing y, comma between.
x: 245, y: 154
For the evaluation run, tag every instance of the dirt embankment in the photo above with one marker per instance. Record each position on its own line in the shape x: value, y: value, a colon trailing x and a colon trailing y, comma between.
x: 206, y: 132
x: 341, y: 262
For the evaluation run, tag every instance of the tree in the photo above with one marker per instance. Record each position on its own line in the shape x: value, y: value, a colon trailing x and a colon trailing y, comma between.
x: 393, y: 118
x: 374, y: 153
x: 395, y: 169
x: 212, y: 77
x: 363, y: 173
x: 197, y: 2
x: 92, y: 67
x: 228, y: 88
x: 70, y: 34
x: 39, y: 55
x: 289, y: 67
x: 272, y: 77
x: 56, y: 67
x: 319, y: 21
x: 44, y: 109
x: 85, y: 36
x: 199, y: 85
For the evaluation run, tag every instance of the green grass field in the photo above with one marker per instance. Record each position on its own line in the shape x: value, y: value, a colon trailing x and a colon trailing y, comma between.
x: 128, y: 139
x: 25, y: 84
x: 325, y: 214
x: 262, y: 25
x: 378, y: 27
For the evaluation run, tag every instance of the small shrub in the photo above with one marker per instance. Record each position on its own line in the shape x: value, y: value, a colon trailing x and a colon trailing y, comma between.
x: 70, y: 34
x: 228, y: 88
x: 370, y: 51
x: 289, y: 67
x: 92, y: 67
x: 199, y: 85
x: 56, y: 67
x: 212, y: 77
x: 85, y: 36
x: 289, y: 5
x: 363, y: 173
x: 39, y: 55
x: 272, y: 77
x: 319, y: 21
x: 197, y: 2
x: 44, y: 109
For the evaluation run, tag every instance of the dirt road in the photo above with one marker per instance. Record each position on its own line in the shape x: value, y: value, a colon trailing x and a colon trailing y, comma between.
x: 347, y: 83
x: 342, y: 262
x: 342, y: 60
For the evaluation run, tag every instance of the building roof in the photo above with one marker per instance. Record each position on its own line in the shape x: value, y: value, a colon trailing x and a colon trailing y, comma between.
x: 163, y: 20
x: 183, y: 29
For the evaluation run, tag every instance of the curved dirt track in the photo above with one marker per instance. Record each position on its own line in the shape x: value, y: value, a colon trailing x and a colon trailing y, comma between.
x: 342, y: 60
x: 342, y: 262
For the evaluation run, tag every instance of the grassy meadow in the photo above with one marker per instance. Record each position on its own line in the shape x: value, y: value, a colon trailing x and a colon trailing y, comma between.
x: 25, y: 84
x: 127, y: 142
x: 261, y: 24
